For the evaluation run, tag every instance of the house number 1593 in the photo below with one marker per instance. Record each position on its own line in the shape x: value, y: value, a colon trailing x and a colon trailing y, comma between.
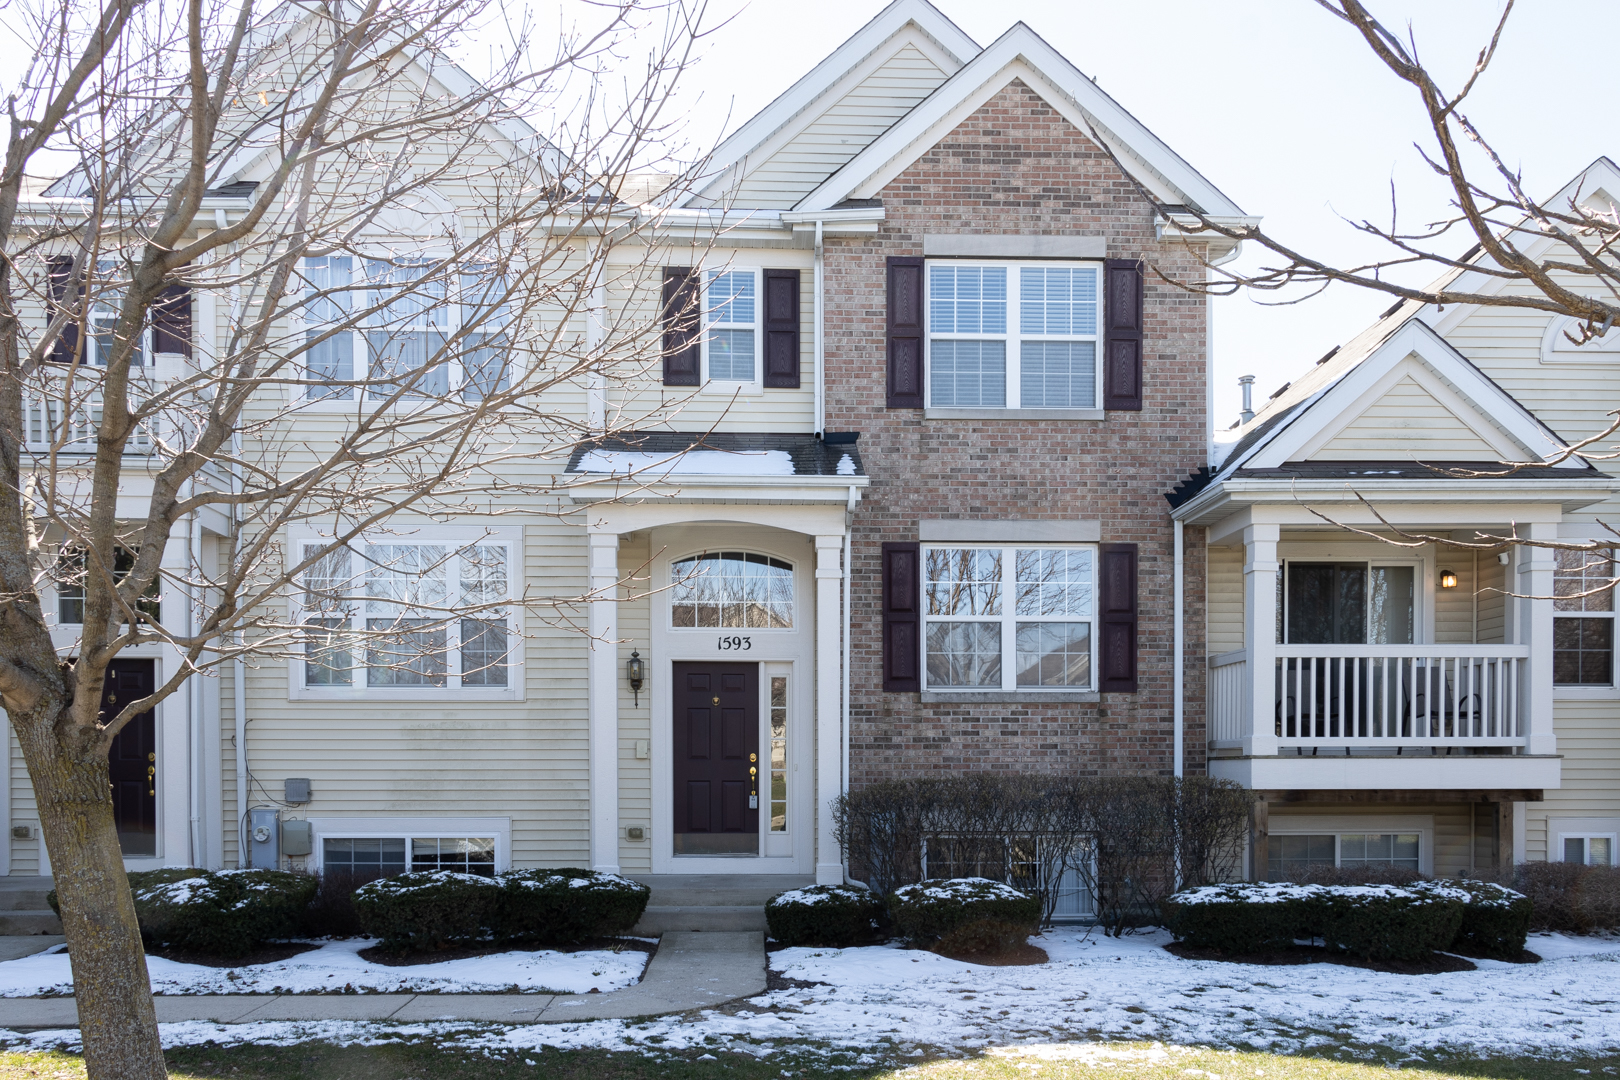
x: 740, y: 644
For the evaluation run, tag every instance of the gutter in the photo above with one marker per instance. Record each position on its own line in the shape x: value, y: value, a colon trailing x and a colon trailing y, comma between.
x: 820, y: 342
x: 1180, y: 659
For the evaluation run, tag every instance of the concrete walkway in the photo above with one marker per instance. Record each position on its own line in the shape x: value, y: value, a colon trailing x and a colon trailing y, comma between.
x: 690, y: 971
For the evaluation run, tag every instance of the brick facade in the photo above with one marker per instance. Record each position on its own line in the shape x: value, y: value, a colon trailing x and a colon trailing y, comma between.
x: 1016, y: 166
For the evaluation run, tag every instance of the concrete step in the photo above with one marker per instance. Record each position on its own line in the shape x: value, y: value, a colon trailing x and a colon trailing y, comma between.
x: 710, y: 918
x: 719, y: 890
x: 24, y: 893
x: 17, y: 923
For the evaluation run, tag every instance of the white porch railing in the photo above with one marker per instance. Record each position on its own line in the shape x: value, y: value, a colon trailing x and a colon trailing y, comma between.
x: 73, y: 430
x: 1378, y: 695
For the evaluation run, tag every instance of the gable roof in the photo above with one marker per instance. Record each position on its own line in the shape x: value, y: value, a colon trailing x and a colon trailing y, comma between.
x: 1301, y: 421
x: 905, y: 24
x: 1021, y: 53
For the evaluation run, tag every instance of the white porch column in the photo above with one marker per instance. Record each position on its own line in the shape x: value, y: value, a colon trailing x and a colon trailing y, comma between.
x: 1260, y: 638
x: 1535, y: 588
x: 603, y: 674
x: 829, y: 736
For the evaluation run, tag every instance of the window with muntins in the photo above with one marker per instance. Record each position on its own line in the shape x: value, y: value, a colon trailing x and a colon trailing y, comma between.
x: 1008, y: 618
x: 409, y: 616
x: 1288, y: 856
x: 425, y: 333
x: 1589, y: 850
x: 731, y: 317
x: 731, y: 590
x: 70, y: 571
x: 1013, y: 335
x: 1583, y: 626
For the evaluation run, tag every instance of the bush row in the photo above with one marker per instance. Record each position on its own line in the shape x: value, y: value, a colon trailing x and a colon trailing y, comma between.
x: 1375, y: 922
x: 423, y: 911
x: 961, y: 915
x: 233, y: 912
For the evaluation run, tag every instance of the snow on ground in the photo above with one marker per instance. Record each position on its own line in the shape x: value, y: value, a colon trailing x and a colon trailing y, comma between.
x: 337, y: 966
x: 890, y: 1004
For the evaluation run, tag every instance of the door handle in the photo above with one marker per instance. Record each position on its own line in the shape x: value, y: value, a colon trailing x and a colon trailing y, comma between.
x: 151, y: 779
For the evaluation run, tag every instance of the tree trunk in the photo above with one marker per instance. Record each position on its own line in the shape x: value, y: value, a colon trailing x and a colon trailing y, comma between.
x: 116, y: 1017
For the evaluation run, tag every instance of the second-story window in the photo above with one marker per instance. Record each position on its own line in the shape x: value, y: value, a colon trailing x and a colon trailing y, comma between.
x: 1583, y: 628
x: 731, y: 326
x: 424, y: 334
x: 71, y: 567
x: 1013, y: 335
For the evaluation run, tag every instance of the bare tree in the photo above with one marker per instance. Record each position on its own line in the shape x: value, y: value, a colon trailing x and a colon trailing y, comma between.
x: 305, y: 274
x: 1560, y: 255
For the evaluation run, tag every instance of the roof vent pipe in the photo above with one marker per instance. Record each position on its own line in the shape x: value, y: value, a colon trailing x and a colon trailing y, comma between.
x: 1247, y: 382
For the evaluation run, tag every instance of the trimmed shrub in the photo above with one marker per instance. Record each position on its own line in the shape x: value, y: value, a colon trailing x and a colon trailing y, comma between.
x: 931, y: 910
x: 141, y: 879
x: 828, y: 915
x: 1241, y: 919
x: 1495, y: 919
x: 565, y: 905
x: 1570, y: 897
x: 422, y: 911
x: 224, y: 912
x: 1355, y: 875
x: 1388, y: 922
x: 984, y: 936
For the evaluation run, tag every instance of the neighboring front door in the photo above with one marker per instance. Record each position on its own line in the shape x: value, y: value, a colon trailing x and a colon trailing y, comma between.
x: 132, y: 759
x: 716, y: 728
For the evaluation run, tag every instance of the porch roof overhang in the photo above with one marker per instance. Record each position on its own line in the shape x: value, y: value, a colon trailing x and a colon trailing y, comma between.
x: 780, y: 491
x: 1412, y: 772
x: 1452, y: 502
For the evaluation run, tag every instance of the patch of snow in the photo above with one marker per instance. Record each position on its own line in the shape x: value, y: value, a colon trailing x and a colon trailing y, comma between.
x: 888, y: 1002
x: 846, y: 466
x: 337, y: 966
x: 690, y: 463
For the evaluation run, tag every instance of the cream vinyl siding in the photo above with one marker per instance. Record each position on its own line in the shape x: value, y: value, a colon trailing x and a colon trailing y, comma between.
x: 635, y: 720
x: 24, y: 853
x: 1453, y: 608
x: 1492, y: 601
x: 526, y: 760
x: 1407, y: 423
x: 1225, y: 627
x: 1588, y: 732
x: 841, y: 132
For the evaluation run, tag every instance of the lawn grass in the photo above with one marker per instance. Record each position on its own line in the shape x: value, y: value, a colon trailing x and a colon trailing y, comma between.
x: 1094, y: 1061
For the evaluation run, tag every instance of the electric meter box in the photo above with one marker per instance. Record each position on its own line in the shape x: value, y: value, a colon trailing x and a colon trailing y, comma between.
x: 264, y: 839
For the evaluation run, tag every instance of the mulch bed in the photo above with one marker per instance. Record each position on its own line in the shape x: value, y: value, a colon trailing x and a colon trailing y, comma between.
x: 1435, y: 964
x: 1017, y: 956
x: 377, y: 955
x: 775, y: 980
x: 269, y: 954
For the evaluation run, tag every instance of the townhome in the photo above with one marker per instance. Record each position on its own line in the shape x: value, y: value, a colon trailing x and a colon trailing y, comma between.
x: 1395, y: 699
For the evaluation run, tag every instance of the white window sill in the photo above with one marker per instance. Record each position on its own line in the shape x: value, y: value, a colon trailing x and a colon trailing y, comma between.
x: 1588, y: 693
x: 1013, y: 414
x: 1002, y: 697
x: 375, y: 694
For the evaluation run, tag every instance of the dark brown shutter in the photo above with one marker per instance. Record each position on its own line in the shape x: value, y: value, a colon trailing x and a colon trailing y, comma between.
x: 1122, y: 344
x: 59, y: 271
x: 782, y: 328
x: 905, y: 332
x: 682, y: 359
x: 171, y: 320
x: 902, y: 597
x: 1118, y: 641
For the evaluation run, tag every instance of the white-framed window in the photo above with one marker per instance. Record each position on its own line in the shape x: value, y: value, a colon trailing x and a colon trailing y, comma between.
x: 733, y: 313
x: 1009, y: 618
x: 1015, y: 335
x: 778, y: 705
x: 738, y: 590
x: 1583, y: 626
x: 1344, y: 602
x: 69, y: 574
x: 1589, y: 849
x: 430, y: 335
x: 1290, y: 854
x: 425, y: 613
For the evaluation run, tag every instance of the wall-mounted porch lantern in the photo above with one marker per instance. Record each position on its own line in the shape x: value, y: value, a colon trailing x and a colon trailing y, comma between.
x: 1448, y: 579
x: 635, y: 670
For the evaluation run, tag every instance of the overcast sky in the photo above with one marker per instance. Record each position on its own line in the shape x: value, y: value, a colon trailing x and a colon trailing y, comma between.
x: 1279, y: 104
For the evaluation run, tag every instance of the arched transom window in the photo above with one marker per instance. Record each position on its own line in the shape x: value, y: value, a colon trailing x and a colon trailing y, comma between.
x: 732, y: 589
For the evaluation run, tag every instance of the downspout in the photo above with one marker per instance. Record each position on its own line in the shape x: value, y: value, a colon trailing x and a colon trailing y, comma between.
x: 1178, y: 662
x: 199, y: 854
x: 820, y: 352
